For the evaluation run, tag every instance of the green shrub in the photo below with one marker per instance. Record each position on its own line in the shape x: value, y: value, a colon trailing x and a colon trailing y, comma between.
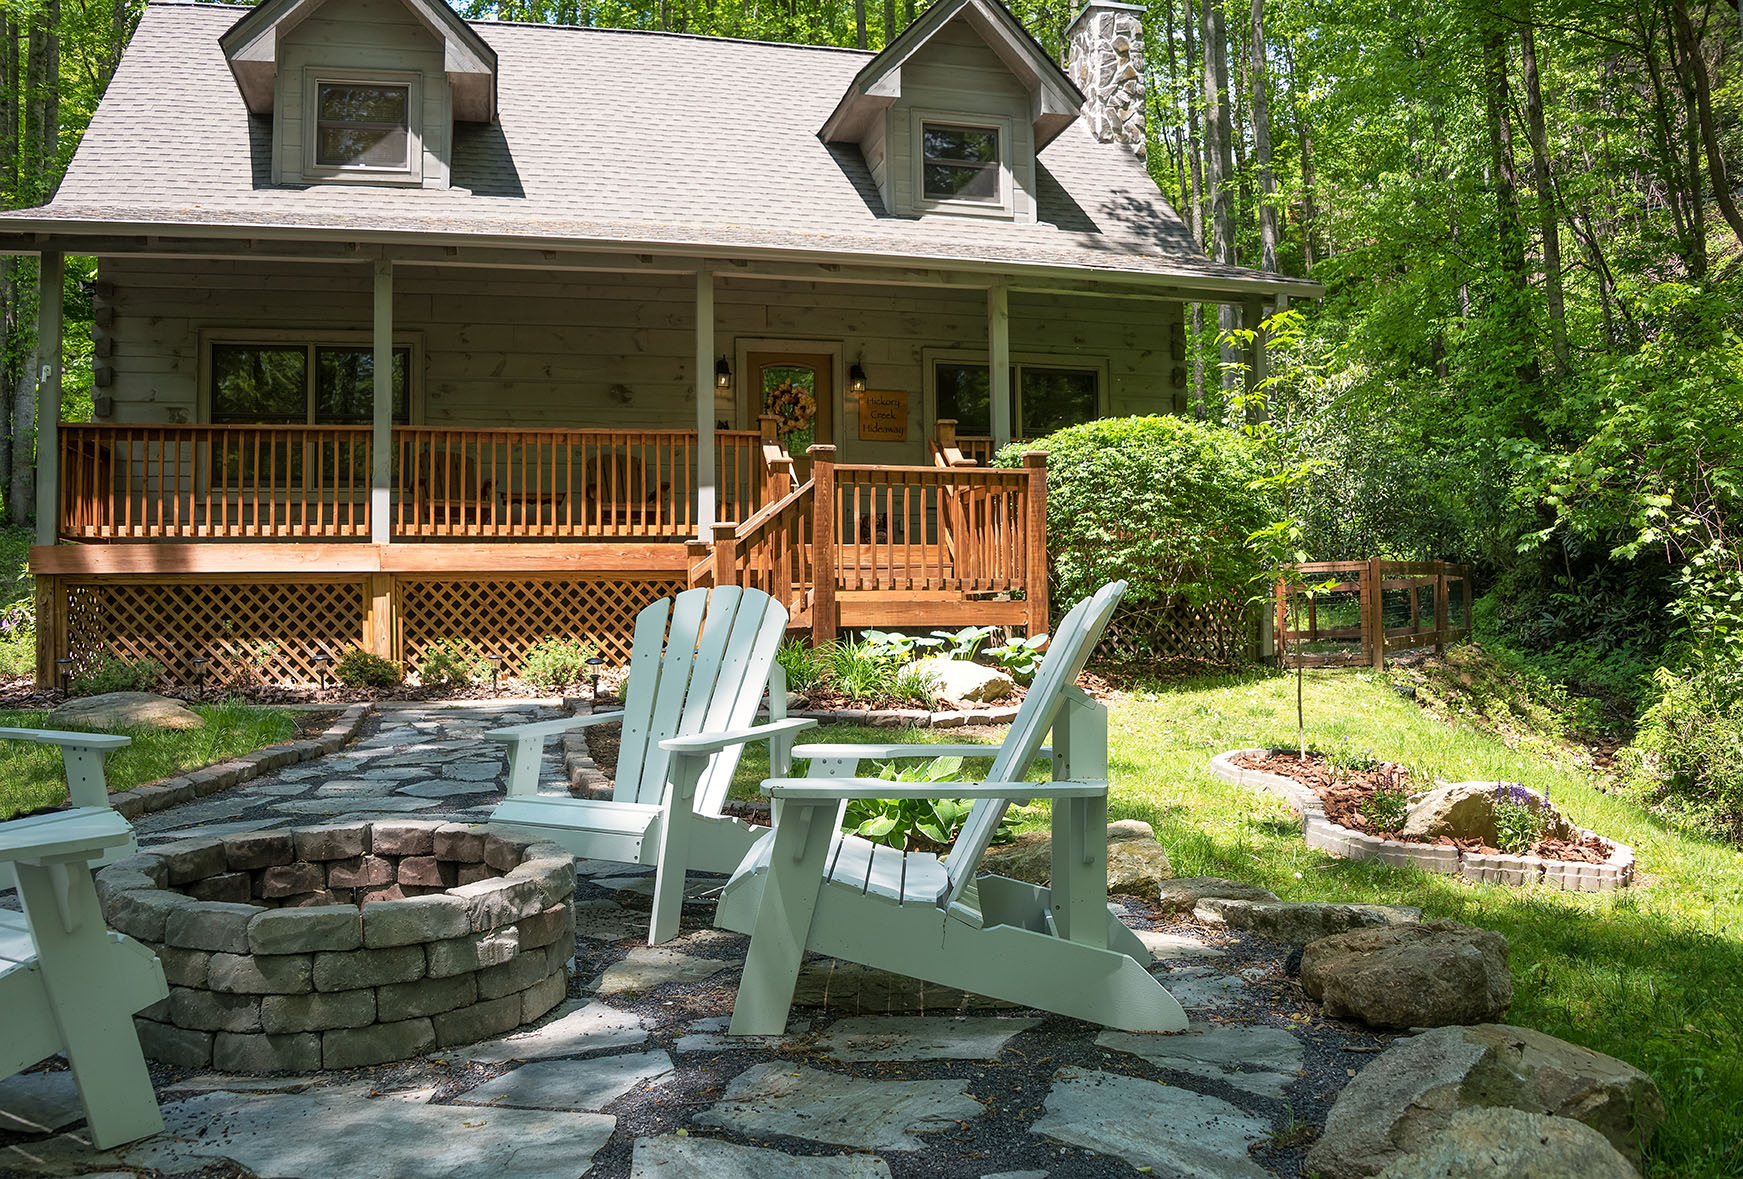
x: 1519, y: 824
x: 111, y: 673
x: 1020, y: 658
x: 361, y: 669
x: 1686, y: 761
x: 896, y: 646
x: 1163, y: 502
x: 916, y: 824
x: 963, y: 643
x: 1389, y: 805
x: 558, y: 663
x: 803, y: 667
x: 18, y: 639
x: 452, y: 661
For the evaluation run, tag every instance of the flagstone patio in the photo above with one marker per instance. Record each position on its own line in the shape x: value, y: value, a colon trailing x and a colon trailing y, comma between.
x: 634, y: 1076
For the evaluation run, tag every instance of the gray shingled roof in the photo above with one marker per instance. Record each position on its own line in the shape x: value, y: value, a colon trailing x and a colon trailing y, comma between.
x: 606, y: 138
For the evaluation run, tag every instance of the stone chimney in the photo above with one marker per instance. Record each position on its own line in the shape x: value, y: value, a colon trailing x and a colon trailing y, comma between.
x: 1106, y: 61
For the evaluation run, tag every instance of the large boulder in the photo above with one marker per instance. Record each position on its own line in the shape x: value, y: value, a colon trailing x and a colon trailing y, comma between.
x: 1466, y: 810
x: 1410, y: 976
x: 123, y: 710
x: 1410, y: 1092
x: 1300, y: 922
x: 1511, y: 1144
x: 960, y: 682
x: 1183, y: 895
x: 1137, y: 864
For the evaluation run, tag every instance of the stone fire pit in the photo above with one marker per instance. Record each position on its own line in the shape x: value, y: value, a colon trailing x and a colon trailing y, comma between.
x: 345, y: 945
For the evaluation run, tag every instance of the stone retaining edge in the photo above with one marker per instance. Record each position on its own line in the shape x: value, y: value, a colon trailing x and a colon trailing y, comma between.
x: 1321, y: 833
x: 167, y: 792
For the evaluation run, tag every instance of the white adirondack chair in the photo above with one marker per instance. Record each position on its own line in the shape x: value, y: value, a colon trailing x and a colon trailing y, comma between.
x: 805, y: 887
x: 697, y: 669
x: 67, y: 982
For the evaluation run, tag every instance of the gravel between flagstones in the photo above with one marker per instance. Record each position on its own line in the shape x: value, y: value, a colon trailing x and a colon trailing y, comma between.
x: 1248, y: 986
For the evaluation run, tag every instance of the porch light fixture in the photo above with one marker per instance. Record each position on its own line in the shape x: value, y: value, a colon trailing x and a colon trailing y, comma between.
x: 595, y: 664
x: 722, y: 374
x: 495, y: 662
x: 856, y: 377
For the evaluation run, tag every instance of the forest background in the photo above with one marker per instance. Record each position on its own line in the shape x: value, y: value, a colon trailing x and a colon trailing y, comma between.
x: 1530, y: 356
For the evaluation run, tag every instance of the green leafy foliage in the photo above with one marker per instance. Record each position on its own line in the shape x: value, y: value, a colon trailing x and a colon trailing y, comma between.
x: 1164, y: 502
x: 964, y: 643
x: 804, y: 670
x: 1387, y: 808
x: 896, y: 646
x: 452, y: 661
x: 870, y: 672
x: 1519, y: 823
x: 363, y: 669
x: 553, y: 663
x: 1686, y: 761
x: 111, y: 673
x: 1020, y: 658
x: 914, y: 824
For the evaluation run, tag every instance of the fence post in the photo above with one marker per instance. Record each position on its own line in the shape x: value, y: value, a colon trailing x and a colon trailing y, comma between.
x: 697, y: 556
x: 1374, y: 621
x: 378, y: 626
x: 726, y: 554
x: 51, y: 638
x: 1035, y: 541
x: 1442, y: 616
x: 823, y: 614
x: 1280, y: 624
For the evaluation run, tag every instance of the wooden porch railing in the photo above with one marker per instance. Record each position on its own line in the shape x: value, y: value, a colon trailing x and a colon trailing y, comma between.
x: 1353, y: 621
x: 926, y: 532
x: 312, y: 482
x: 213, y: 482
x: 950, y: 449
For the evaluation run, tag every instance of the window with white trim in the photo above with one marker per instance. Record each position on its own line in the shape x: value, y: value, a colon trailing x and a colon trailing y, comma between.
x: 363, y: 128
x: 962, y: 164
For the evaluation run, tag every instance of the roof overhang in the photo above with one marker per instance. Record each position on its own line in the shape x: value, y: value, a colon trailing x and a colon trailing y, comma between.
x: 1054, y: 101
x: 251, y: 47
x: 30, y: 235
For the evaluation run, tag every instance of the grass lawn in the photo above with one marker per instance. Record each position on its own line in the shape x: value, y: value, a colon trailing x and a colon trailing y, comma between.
x: 1652, y: 974
x: 32, y: 776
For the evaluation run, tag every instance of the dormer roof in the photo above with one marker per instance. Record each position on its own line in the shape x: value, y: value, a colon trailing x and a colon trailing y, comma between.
x: 1054, y: 101
x: 251, y: 46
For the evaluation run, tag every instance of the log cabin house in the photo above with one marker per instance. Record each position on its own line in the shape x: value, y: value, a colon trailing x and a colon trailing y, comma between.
x: 408, y: 327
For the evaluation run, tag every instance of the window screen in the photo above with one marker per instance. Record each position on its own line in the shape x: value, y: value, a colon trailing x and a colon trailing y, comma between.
x: 960, y: 163
x: 362, y: 126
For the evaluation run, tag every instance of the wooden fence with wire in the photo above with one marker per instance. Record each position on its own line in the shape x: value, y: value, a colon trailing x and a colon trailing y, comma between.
x: 1369, y: 610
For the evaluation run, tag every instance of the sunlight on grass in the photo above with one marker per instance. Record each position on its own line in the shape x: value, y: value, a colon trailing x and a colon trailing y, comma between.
x: 1652, y: 975
x: 32, y: 776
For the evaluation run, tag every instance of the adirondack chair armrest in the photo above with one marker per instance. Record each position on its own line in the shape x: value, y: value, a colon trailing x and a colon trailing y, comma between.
x: 83, y: 833
x: 836, y: 789
x: 705, y: 743
x: 900, y: 752
x: 515, y: 733
x: 106, y: 742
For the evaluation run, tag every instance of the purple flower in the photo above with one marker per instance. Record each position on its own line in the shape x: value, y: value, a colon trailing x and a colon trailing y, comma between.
x: 1512, y: 792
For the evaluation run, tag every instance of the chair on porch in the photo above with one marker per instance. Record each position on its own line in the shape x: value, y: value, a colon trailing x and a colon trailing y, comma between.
x: 450, y: 490
x: 697, y: 669
x: 806, y: 887
x: 67, y: 982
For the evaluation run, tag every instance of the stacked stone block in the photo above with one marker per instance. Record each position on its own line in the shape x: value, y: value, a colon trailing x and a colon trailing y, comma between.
x: 345, y: 945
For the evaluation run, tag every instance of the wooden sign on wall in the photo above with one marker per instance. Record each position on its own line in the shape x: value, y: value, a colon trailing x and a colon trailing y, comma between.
x: 883, y: 417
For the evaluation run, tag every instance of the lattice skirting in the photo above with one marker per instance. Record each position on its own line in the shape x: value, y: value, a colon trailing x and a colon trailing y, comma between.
x: 249, y: 631
x: 507, y: 615
x: 255, y: 630
x: 1160, y: 632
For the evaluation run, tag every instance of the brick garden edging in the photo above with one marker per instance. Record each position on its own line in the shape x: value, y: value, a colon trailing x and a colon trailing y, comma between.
x: 1320, y: 832
x: 457, y: 933
x: 168, y: 792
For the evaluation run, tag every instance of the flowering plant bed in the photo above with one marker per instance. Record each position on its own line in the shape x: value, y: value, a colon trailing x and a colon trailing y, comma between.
x: 1363, y: 813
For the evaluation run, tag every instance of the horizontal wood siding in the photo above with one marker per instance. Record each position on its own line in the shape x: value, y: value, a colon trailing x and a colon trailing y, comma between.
x: 528, y: 349
x: 362, y: 35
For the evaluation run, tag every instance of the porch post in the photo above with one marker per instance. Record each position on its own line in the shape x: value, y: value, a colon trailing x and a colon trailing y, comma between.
x: 381, y: 439
x: 705, y: 494
x: 52, y: 275
x: 1253, y: 317
x: 998, y: 356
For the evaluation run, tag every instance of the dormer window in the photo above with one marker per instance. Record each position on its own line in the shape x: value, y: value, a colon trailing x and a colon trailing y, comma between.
x: 363, y: 128
x: 362, y: 125
x: 961, y: 163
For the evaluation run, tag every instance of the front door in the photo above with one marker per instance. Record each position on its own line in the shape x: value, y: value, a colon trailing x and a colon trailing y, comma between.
x: 790, y: 385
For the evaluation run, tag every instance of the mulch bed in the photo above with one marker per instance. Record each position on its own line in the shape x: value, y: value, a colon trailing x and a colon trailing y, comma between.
x: 1344, y: 792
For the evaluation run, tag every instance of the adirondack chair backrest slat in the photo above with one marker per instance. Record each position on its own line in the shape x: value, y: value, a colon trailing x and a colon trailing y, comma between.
x: 1067, y: 655
x: 718, y: 648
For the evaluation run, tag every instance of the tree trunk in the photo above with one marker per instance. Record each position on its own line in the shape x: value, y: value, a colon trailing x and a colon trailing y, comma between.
x: 1304, y: 141
x: 859, y: 24
x: 118, y: 28
x: 1498, y: 102
x: 1549, y: 225
x: 1697, y: 69
x: 1262, y: 146
x: 1194, y: 151
x: 1218, y: 151
x: 890, y: 29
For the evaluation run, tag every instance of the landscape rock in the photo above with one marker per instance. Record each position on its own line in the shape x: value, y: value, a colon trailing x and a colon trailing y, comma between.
x: 1412, y: 1090
x: 1166, y: 1129
x: 1137, y: 864
x: 777, y: 1098
x: 1510, y: 1144
x: 122, y: 710
x: 1300, y: 922
x: 1410, y: 976
x: 1183, y: 895
x: 1466, y: 810
x: 958, y: 681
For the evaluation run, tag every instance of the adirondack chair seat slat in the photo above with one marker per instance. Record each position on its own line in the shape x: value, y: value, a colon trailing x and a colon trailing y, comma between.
x: 807, y: 888
x: 67, y: 982
x: 698, y: 666
x: 903, y: 752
